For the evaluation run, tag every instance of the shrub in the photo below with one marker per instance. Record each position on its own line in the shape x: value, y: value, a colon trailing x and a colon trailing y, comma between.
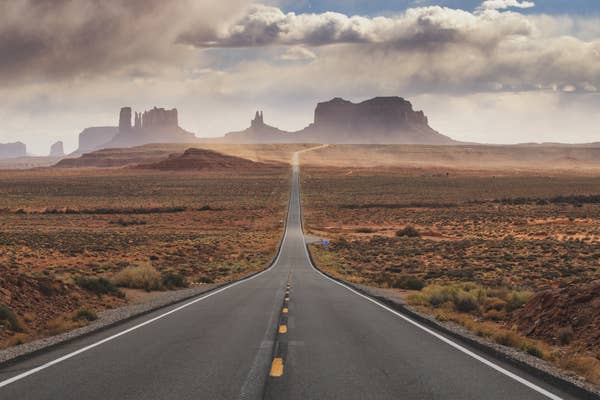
x: 565, y: 335
x: 364, y: 230
x: 533, y: 350
x: 99, y: 286
x: 464, y: 302
x: 509, y: 339
x: 85, y: 315
x: 8, y: 316
x: 408, y: 231
x: 205, y: 279
x: 172, y: 280
x: 409, y: 283
x: 516, y: 301
x: 141, y: 277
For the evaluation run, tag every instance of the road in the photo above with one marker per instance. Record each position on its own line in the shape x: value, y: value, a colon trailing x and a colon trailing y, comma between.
x: 287, y: 333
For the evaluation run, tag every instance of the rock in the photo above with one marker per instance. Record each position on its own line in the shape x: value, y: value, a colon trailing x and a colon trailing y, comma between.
x: 575, y: 307
x: 13, y: 150
x: 381, y: 120
x: 57, y: 149
x: 94, y: 138
x: 157, y: 125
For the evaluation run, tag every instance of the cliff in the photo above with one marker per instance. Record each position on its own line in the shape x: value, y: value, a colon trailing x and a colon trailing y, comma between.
x: 57, y: 149
x: 12, y: 150
x: 91, y: 139
x: 381, y: 120
x: 153, y: 126
x: 259, y: 132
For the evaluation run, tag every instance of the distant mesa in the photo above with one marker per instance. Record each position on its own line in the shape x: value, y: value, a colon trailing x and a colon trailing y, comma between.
x: 94, y: 138
x: 259, y: 132
x: 381, y: 120
x: 194, y: 159
x: 13, y: 150
x: 157, y: 125
x: 57, y: 150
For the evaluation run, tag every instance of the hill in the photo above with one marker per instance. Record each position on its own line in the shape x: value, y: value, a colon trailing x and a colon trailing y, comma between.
x: 194, y: 159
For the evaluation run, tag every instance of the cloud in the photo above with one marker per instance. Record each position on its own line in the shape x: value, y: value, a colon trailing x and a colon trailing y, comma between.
x: 503, y: 4
x: 58, y: 39
x: 298, y: 53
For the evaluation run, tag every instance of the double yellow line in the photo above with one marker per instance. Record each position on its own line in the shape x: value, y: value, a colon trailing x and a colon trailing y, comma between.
x: 277, y: 366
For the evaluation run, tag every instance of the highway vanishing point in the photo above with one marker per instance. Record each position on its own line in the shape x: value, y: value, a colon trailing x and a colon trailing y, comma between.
x: 288, y: 332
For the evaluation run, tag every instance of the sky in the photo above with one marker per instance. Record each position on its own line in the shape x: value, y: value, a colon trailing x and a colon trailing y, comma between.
x: 493, y: 71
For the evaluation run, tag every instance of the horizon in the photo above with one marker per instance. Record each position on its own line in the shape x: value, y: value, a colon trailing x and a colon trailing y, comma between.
x: 529, y: 72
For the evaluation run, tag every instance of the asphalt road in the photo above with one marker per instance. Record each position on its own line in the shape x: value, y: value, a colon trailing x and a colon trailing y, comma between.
x: 239, y: 342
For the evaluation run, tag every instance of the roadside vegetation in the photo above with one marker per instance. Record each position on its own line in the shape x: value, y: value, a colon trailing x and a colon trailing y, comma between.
x: 74, y: 243
x: 514, y: 258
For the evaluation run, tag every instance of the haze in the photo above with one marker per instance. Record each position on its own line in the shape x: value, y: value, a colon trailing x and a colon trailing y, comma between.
x: 498, y: 71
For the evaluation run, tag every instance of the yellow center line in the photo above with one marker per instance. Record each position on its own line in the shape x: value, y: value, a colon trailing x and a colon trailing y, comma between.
x: 287, y: 299
x: 285, y: 310
x: 277, y: 367
x: 282, y: 328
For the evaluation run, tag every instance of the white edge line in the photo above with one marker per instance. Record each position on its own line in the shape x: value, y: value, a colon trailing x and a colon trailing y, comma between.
x: 447, y: 341
x: 457, y: 346
x: 138, y: 326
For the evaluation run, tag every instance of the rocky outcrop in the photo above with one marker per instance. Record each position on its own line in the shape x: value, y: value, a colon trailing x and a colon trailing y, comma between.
x: 91, y: 139
x: 259, y: 132
x: 57, y: 149
x: 569, y: 314
x: 157, y: 125
x: 381, y: 120
x: 13, y: 150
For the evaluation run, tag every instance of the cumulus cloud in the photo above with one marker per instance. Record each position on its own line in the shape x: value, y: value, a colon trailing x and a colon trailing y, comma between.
x: 502, y: 4
x: 54, y: 39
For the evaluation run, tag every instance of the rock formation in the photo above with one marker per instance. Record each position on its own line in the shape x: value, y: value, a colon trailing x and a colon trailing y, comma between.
x: 91, y: 139
x: 259, y: 132
x: 13, y: 150
x: 57, y: 149
x: 153, y: 126
x: 381, y: 120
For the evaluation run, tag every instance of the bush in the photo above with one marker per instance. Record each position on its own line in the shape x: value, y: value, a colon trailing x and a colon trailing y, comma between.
x: 516, y: 301
x: 364, y: 230
x: 172, y: 280
x: 8, y: 316
x: 532, y: 350
x: 85, y: 315
x: 409, y: 283
x: 464, y: 302
x: 408, y: 231
x: 565, y: 335
x: 99, y: 286
x: 205, y: 279
x: 509, y: 339
x: 142, y: 277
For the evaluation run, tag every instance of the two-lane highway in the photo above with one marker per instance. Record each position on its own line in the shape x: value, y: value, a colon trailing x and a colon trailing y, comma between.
x: 287, y: 333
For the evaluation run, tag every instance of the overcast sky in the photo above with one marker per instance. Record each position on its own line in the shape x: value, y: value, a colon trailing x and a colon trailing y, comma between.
x: 495, y: 71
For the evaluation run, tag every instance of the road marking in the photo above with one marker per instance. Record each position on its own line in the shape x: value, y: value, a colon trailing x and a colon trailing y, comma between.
x: 276, y: 367
x: 285, y: 310
x: 140, y: 325
x: 282, y: 328
x: 457, y: 346
x: 286, y: 299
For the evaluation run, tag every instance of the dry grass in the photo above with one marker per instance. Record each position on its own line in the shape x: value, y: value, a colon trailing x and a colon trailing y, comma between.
x: 141, y: 277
